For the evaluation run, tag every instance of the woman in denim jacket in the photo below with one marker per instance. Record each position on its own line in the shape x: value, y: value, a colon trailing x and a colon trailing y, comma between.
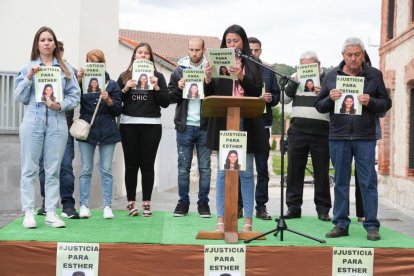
x: 44, y: 130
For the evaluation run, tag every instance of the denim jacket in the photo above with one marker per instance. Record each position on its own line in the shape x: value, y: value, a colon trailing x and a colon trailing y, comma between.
x: 24, y: 89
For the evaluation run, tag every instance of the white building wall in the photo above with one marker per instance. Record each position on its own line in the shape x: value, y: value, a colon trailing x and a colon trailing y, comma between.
x: 99, y: 21
x: 401, y: 20
x: 396, y: 188
x: 22, y: 18
x: 82, y: 25
x: 396, y: 60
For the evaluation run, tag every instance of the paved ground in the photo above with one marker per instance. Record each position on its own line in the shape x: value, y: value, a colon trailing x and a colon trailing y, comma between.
x: 167, y: 200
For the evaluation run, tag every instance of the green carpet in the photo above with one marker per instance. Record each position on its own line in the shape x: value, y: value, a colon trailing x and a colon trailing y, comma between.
x: 163, y: 228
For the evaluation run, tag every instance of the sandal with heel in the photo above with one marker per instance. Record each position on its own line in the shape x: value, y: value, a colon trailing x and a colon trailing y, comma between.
x: 146, y: 210
x: 220, y: 227
x: 247, y: 228
x: 133, y: 212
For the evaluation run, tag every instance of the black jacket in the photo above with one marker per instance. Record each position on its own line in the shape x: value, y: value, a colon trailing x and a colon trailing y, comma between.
x: 354, y: 127
x: 145, y: 103
x: 271, y: 85
x: 104, y: 129
x: 176, y: 96
x: 256, y: 141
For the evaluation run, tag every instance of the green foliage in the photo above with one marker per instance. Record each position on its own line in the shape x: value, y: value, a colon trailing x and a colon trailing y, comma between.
x: 273, y: 145
x: 284, y: 69
x: 277, y: 116
x: 288, y: 70
x: 326, y: 69
x: 277, y: 163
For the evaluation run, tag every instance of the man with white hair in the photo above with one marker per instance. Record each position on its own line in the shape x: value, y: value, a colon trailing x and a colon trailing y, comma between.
x: 353, y: 136
x: 308, y: 133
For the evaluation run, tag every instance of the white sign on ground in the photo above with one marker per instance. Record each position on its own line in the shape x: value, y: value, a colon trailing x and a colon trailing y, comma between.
x: 77, y: 259
x: 229, y: 260
x: 349, y: 261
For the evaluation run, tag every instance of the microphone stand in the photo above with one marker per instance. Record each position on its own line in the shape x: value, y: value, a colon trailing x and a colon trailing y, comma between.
x: 281, y: 223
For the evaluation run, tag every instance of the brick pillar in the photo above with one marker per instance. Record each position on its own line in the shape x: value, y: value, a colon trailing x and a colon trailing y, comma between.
x: 384, y: 145
x: 409, y: 81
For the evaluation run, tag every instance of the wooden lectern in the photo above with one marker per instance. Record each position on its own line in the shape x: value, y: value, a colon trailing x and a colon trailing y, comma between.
x: 233, y: 108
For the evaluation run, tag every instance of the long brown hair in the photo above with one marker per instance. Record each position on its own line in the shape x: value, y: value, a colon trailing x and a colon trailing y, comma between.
x: 127, y: 75
x: 251, y: 68
x: 35, y: 50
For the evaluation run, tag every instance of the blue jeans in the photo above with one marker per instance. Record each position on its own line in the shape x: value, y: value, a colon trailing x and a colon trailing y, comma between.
x: 47, y: 138
x: 186, y: 140
x: 106, y: 153
x: 67, y: 179
x: 247, y: 187
x: 341, y: 153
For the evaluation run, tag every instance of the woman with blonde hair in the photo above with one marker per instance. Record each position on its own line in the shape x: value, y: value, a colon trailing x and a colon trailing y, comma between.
x: 104, y: 134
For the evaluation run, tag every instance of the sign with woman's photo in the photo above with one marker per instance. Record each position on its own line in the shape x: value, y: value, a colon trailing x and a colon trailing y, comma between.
x: 233, y: 150
x: 142, y: 71
x: 194, y: 80
x: 93, y: 80
x: 48, y: 84
x: 221, y: 60
x: 308, y: 77
x: 351, y: 88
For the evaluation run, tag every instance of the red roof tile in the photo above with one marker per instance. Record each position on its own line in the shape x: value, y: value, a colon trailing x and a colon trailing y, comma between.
x: 132, y: 43
x: 170, y: 46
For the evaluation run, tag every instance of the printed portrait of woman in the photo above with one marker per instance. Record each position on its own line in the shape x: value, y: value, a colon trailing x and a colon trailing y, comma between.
x: 193, y: 92
x: 309, y: 85
x: 48, y: 92
x: 232, y: 161
x: 93, y: 85
x: 224, y: 71
x: 348, y: 105
x: 143, y: 82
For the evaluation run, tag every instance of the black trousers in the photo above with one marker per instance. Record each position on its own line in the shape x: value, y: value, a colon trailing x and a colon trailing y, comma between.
x: 299, y: 146
x: 358, y: 198
x: 262, y: 185
x: 140, y: 144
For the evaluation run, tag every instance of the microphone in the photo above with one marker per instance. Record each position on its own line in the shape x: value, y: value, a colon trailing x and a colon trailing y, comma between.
x: 238, y: 52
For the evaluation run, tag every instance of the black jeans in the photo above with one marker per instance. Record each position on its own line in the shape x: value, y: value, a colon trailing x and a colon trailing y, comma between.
x: 358, y: 198
x: 299, y: 146
x: 262, y: 185
x: 140, y: 144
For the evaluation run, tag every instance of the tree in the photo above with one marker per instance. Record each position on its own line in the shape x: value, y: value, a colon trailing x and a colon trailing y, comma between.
x: 284, y: 69
x: 276, y: 126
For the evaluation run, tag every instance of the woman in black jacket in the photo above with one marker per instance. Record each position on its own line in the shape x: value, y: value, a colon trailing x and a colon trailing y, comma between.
x: 248, y: 84
x: 141, y: 128
x: 104, y: 133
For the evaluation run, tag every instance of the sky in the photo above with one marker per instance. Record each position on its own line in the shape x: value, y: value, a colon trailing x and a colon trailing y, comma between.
x: 285, y: 28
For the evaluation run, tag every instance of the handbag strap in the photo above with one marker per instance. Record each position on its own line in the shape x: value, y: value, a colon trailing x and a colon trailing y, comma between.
x: 97, y: 105
x: 96, y: 110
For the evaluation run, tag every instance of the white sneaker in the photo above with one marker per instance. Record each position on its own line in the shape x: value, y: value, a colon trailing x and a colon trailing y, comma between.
x: 84, y: 212
x: 107, y: 213
x: 29, y: 219
x: 53, y: 220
